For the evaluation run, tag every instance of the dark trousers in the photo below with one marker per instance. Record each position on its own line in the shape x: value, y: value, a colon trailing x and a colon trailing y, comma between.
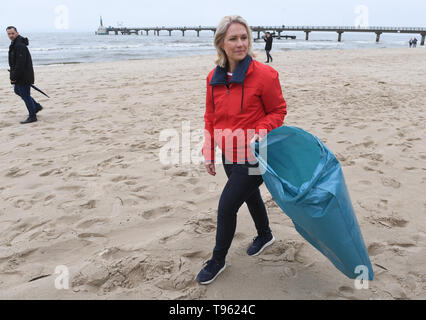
x: 24, y: 91
x: 269, y: 55
x: 241, y: 187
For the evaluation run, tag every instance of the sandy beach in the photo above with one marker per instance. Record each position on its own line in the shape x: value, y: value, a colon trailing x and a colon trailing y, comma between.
x: 84, y: 187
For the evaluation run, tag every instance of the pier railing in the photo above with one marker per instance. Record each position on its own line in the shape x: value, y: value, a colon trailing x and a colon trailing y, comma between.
x: 277, y: 29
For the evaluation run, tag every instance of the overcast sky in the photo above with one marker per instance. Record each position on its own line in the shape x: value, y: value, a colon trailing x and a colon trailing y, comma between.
x: 83, y: 15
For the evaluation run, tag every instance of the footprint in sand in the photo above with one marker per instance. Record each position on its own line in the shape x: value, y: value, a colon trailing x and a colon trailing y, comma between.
x: 289, y: 272
x: 196, y: 255
x: 166, y: 167
x: 91, y: 235
x: 395, y: 248
x: 69, y: 219
x: 199, y: 190
x: 69, y: 188
x: 43, y: 150
x: 128, y: 272
x: 4, y: 124
x: 180, y: 173
x: 91, y: 204
x: 361, y: 146
x: 67, y: 206
x: 170, y: 237
x: 344, y: 160
x: 87, y: 223
x: 383, y: 204
x: 186, y: 205
x: 201, y: 225
x: 193, y: 180
x: 389, y: 222
x: 25, y: 145
x: 23, y: 204
x: 389, y: 182
x: 56, y: 171
x: 156, y: 212
x: 329, y: 128
x: 366, y: 168
x: 373, y: 156
x: 138, y: 146
x: 16, y: 172
x: 366, y: 182
x: 123, y: 178
x: 410, y: 168
x: 376, y: 248
x: 282, y: 251
x: 346, y: 291
x: 144, y: 196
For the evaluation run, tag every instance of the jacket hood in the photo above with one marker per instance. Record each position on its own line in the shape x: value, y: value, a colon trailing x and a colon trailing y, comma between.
x: 21, y: 40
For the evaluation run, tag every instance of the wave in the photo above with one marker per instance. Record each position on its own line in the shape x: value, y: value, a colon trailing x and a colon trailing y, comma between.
x: 53, y: 49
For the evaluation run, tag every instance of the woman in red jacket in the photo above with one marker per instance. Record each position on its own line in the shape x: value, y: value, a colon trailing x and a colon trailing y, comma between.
x: 244, y: 102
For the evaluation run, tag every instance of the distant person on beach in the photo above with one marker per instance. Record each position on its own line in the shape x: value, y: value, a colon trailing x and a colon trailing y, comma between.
x: 410, y: 42
x: 268, y: 47
x: 415, y: 42
x: 244, y: 101
x: 22, y: 72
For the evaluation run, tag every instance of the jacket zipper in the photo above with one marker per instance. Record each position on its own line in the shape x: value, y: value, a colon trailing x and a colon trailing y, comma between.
x: 228, y: 86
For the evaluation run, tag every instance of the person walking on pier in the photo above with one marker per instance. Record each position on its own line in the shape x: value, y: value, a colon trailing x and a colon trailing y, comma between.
x: 22, y: 72
x: 268, y: 47
x: 244, y: 100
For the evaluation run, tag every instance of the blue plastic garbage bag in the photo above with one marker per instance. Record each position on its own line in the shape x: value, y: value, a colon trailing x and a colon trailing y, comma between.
x: 306, y: 181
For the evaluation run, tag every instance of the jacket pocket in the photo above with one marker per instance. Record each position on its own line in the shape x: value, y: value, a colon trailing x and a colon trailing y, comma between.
x: 219, y: 98
x: 252, y: 98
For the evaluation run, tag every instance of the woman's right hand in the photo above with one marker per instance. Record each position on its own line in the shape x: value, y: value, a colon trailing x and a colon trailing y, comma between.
x: 211, y: 169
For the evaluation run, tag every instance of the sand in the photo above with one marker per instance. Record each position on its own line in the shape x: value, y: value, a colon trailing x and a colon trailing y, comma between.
x: 84, y: 188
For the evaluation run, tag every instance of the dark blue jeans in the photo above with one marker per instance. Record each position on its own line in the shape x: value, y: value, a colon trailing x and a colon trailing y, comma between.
x: 241, y: 188
x: 23, y: 90
x: 268, y: 55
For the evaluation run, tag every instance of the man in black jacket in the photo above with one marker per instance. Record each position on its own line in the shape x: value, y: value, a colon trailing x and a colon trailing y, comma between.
x: 22, y: 72
x: 268, y: 47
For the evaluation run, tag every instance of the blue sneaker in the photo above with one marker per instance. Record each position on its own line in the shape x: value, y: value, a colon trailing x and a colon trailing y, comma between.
x: 210, y: 272
x: 259, y: 244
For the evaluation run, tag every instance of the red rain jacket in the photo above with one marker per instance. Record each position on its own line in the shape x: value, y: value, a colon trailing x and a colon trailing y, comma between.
x: 252, y: 102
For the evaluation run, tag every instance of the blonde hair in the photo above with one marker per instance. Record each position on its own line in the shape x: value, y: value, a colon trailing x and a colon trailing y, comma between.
x: 220, y: 34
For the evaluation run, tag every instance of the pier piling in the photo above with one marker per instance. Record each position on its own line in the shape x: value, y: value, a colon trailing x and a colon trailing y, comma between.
x: 307, y: 35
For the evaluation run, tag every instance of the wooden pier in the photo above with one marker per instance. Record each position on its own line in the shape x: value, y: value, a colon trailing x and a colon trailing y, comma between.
x: 277, y: 29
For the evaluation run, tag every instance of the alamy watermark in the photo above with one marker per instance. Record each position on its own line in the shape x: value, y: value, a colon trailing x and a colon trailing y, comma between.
x: 62, y: 17
x: 185, y: 147
x: 361, y: 20
x: 62, y: 281
x: 361, y: 281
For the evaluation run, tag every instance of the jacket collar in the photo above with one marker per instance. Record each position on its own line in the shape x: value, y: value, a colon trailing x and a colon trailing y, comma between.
x: 219, y: 76
x: 19, y: 39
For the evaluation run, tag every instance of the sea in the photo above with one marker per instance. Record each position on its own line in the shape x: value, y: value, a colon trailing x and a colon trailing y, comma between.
x: 69, y: 48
